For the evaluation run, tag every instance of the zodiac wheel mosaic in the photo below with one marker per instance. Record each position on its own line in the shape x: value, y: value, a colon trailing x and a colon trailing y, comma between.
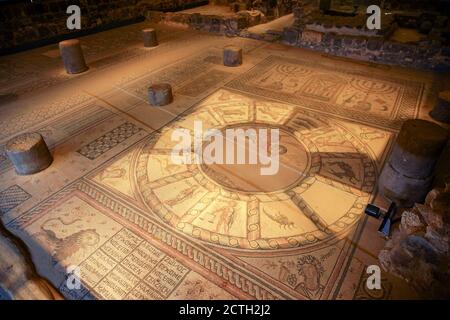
x: 325, y: 179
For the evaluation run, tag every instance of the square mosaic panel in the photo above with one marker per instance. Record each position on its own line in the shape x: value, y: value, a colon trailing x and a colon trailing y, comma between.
x: 368, y: 98
x: 106, y: 142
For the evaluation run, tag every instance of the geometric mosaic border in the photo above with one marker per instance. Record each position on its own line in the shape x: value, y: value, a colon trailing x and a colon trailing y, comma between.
x: 109, y: 140
x: 11, y: 198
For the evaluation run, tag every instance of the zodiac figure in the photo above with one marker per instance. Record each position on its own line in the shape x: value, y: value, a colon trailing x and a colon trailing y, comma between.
x: 63, y: 248
x: 304, y: 123
x: 371, y: 134
x: 282, y: 220
x: 268, y: 112
x: 113, y: 173
x: 331, y: 140
x: 231, y: 113
x: 227, y: 216
x: 346, y: 171
x: 182, y: 196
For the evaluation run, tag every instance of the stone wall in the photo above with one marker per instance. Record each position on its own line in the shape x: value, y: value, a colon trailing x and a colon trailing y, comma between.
x: 313, y: 31
x: 230, y: 24
x: 434, y: 57
x: 25, y: 24
x: 270, y: 8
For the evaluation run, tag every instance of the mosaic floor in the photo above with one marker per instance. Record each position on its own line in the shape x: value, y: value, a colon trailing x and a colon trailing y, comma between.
x: 141, y: 227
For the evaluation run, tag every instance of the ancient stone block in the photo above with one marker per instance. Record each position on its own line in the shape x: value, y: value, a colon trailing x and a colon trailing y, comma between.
x: 154, y: 16
x: 18, y: 277
x: 150, y: 38
x: 431, y: 217
x: 160, y: 94
x: 436, y: 211
x: 232, y: 56
x: 72, y: 56
x: 411, y: 222
x: 312, y: 36
x: 28, y: 153
x: 440, y: 202
x: 419, y: 250
x: 438, y: 240
x: 337, y: 42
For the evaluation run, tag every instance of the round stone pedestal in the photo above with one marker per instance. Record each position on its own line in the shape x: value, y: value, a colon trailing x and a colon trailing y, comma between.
x: 72, y: 56
x: 150, y: 38
x: 29, y: 153
x: 407, y: 176
x: 160, y: 94
x: 417, y: 148
x: 441, y: 111
x: 403, y: 190
x: 232, y: 56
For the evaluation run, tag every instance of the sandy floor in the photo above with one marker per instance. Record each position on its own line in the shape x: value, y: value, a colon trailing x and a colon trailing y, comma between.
x: 141, y: 227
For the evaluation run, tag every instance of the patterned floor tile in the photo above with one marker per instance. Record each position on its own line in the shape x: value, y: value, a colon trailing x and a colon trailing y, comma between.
x: 11, y: 198
x: 108, y: 141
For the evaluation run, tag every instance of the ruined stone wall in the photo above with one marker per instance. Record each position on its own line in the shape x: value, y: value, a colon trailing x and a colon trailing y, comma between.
x: 419, y: 250
x: 435, y: 57
x: 334, y: 38
x: 231, y: 24
x: 25, y: 22
x: 271, y: 8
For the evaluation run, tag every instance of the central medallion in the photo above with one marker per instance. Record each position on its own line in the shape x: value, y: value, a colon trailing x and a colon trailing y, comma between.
x: 293, y: 162
x: 324, y: 179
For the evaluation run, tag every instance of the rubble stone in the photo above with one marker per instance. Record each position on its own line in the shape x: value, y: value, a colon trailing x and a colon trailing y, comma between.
x: 411, y: 223
x: 418, y: 251
x: 439, y: 241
